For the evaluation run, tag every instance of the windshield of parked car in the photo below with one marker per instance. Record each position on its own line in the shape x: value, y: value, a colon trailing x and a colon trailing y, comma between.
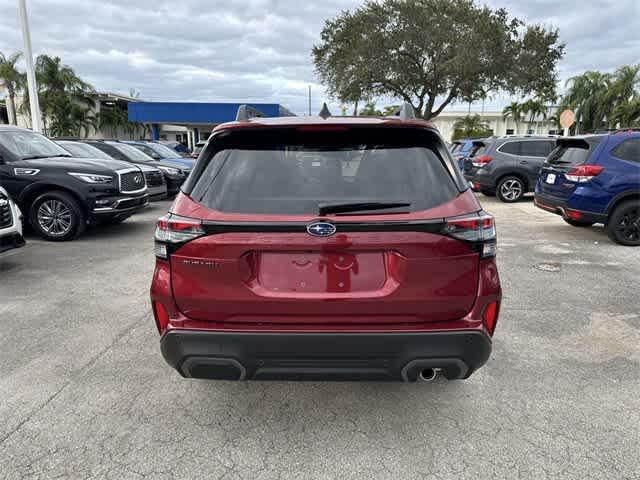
x: 25, y: 144
x: 163, y: 151
x: 572, y: 152
x: 298, y: 179
x: 82, y: 150
x: 130, y: 152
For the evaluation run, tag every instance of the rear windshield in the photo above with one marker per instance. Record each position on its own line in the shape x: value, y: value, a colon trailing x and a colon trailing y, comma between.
x: 294, y: 178
x: 477, y: 149
x: 573, y: 152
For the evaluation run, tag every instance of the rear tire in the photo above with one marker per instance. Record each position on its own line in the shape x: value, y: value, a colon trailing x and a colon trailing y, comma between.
x: 578, y: 223
x: 488, y: 193
x: 57, y: 216
x: 510, y: 189
x: 623, y: 226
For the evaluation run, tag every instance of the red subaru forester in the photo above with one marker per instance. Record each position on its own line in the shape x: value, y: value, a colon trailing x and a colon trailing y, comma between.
x: 326, y: 248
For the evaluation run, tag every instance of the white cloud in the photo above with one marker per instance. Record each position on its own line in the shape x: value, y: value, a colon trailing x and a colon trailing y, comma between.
x: 259, y: 50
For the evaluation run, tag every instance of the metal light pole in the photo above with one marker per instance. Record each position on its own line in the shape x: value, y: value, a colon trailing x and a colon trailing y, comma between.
x: 36, y: 119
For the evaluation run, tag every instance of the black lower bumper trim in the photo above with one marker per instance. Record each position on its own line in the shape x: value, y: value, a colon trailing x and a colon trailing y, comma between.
x: 324, y: 356
x: 559, y: 207
x: 11, y: 241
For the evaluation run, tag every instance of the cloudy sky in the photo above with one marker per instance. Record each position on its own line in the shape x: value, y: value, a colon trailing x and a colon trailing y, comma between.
x: 259, y: 50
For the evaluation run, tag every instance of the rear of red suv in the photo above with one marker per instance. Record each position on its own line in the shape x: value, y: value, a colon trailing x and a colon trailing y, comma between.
x: 326, y: 249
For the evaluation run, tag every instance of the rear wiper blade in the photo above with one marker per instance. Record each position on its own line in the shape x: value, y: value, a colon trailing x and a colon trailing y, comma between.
x: 356, y: 207
x: 35, y: 157
x: 38, y: 157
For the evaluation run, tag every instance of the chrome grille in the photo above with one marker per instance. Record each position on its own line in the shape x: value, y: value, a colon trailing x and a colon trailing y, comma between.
x: 5, y: 214
x: 132, y: 181
x: 154, y: 179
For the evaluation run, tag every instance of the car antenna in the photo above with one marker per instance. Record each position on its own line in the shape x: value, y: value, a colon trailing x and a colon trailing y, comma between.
x: 247, y: 112
x: 324, y: 113
x: 405, y: 112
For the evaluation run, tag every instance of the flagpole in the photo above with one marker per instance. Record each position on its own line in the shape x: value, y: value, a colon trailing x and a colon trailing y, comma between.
x: 36, y: 118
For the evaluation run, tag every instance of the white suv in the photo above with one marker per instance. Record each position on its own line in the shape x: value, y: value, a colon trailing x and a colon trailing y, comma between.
x: 10, y: 224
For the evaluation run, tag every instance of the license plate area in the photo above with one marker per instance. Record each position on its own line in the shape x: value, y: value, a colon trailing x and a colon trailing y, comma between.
x: 320, y: 272
x: 551, y: 178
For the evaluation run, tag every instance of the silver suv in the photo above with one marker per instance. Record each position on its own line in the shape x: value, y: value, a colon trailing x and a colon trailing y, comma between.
x: 507, y: 166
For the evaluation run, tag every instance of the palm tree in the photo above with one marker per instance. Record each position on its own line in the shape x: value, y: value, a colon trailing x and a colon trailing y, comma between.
x: 11, y: 79
x: 535, y: 108
x: 515, y: 111
x: 587, y: 97
x: 470, y: 126
x: 627, y: 114
x: 59, y: 90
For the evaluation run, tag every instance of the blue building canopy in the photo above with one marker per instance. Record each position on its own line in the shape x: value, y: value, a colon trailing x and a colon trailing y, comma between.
x: 194, y: 113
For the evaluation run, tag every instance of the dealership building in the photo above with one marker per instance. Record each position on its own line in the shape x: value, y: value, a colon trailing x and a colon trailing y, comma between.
x: 190, y: 122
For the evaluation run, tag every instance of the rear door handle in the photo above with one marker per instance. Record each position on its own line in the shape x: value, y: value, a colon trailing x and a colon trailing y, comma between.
x: 523, y: 162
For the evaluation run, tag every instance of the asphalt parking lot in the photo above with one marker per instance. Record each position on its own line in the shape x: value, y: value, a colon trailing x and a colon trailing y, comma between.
x: 84, y: 392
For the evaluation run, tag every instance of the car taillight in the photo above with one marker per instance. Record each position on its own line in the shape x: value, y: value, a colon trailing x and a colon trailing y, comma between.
x: 172, y: 230
x: 481, y: 160
x: 583, y: 173
x: 490, y: 316
x: 478, y: 229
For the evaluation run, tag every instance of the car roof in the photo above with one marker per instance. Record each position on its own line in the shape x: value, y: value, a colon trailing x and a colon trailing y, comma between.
x: 322, y: 121
x: 13, y: 127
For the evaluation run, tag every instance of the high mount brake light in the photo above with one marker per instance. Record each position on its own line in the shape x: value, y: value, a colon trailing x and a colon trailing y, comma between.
x: 477, y: 228
x: 583, y: 173
x: 481, y: 160
x: 175, y: 230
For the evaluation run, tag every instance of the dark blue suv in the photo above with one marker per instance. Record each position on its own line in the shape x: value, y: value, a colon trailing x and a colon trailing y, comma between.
x: 595, y: 179
x: 460, y: 149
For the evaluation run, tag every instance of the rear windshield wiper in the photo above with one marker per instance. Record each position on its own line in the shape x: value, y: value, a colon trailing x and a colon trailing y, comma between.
x: 356, y: 207
x: 37, y: 157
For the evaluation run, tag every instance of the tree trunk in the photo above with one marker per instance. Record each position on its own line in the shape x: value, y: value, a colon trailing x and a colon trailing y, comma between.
x: 355, y: 109
x: 11, y: 110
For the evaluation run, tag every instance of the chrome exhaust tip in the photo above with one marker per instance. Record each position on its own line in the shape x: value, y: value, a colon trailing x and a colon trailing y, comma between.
x: 428, y: 374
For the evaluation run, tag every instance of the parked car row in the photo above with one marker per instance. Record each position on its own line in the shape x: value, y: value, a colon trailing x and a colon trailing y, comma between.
x: 586, y: 179
x: 64, y: 185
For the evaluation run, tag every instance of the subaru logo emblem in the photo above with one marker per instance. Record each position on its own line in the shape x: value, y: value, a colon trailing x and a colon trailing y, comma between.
x: 137, y: 178
x: 321, y: 229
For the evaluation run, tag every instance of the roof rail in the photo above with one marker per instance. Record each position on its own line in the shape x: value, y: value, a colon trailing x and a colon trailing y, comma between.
x: 324, y: 112
x: 627, y: 130
x: 246, y: 112
x: 405, y: 112
x: 527, y: 135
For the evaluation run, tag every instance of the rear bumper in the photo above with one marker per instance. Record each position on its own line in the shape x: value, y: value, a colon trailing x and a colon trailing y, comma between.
x: 559, y: 207
x: 323, y: 356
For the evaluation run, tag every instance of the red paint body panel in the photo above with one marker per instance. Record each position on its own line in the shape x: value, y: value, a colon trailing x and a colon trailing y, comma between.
x: 396, y: 277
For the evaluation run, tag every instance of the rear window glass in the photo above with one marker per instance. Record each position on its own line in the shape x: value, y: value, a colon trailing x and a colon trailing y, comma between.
x: 575, y: 152
x: 298, y: 178
x: 478, y: 149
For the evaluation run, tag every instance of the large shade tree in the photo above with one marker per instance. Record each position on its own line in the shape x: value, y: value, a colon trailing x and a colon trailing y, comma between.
x: 432, y: 52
